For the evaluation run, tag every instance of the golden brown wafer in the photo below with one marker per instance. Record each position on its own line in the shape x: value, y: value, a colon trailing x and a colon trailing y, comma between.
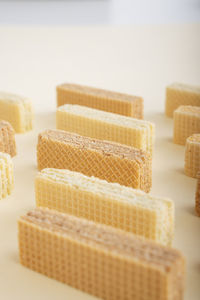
x: 100, y: 99
x: 103, y: 261
x: 107, y: 160
x: 178, y: 94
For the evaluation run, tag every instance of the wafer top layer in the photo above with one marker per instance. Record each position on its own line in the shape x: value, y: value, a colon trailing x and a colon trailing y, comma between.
x: 195, y: 138
x: 185, y: 87
x: 12, y: 98
x: 188, y: 109
x: 103, y: 116
x: 105, y: 147
x: 115, y: 191
x: 97, y: 92
x: 104, y: 237
x: 4, y: 124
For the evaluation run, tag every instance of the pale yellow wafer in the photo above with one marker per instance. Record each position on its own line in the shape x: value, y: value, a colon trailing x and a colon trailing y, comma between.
x: 107, y: 160
x: 186, y: 123
x: 178, y: 94
x: 107, y: 203
x: 100, y: 99
x: 7, y: 138
x: 192, y: 155
x: 103, y: 261
x: 17, y: 111
x: 106, y: 126
x: 6, y: 174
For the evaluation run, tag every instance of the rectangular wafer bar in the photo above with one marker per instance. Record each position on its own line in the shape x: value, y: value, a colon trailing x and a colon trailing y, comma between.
x: 100, y: 260
x: 178, y: 94
x: 17, y: 110
x: 106, y: 126
x: 107, y: 160
x: 186, y: 123
x: 192, y: 155
x: 107, y: 203
x: 6, y: 175
x: 100, y: 99
x: 7, y: 138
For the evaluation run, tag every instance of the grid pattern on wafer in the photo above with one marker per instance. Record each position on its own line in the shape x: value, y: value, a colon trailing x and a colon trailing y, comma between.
x: 180, y: 94
x: 106, y: 126
x: 100, y: 99
x: 62, y: 150
x: 192, y: 156
x: 186, y: 123
x: 99, y: 260
x: 17, y: 111
x: 7, y: 138
x: 107, y: 203
x: 6, y: 175
x: 197, y: 196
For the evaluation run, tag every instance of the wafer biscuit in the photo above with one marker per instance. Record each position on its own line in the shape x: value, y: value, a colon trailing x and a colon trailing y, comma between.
x: 106, y: 160
x: 100, y: 99
x: 103, y: 261
x: 178, y: 94
x: 197, y: 198
x: 17, y: 111
x: 186, y: 123
x: 7, y: 138
x: 192, y: 155
x: 6, y: 175
x: 106, y: 126
x: 107, y: 203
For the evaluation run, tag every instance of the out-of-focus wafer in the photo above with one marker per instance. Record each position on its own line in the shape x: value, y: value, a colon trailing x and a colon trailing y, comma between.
x: 178, y: 94
x: 186, y: 123
x: 100, y: 99
x: 7, y: 138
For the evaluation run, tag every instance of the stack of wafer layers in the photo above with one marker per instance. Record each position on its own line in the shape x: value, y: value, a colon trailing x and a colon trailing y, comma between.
x: 98, y: 259
x: 103, y: 125
x: 107, y: 160
x: 107, y: 203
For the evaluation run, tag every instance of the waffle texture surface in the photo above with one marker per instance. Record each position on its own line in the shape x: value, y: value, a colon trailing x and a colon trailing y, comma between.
x: 178, y: 94
x: 100, y: 99
x: 6, y: 175
x: 17, y: 111
x: 7, y: 138
x: 186, y: 123
x: 106, y: 126
x: 103, y: 261
x: 107, y: 203
x: 106, y: 160
x: 192, y: 155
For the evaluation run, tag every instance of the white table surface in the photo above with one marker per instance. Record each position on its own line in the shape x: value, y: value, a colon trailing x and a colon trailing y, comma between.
x: 139, y: 60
